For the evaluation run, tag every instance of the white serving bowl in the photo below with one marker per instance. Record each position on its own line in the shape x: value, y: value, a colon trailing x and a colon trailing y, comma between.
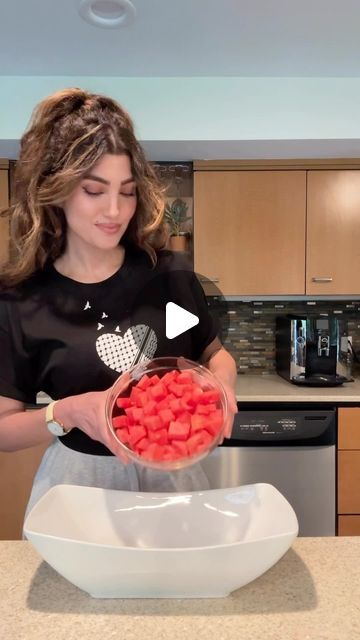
x: 123, y: 544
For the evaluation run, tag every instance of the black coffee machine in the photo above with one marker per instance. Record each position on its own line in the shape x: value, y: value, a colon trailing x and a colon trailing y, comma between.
x: 313, y: 350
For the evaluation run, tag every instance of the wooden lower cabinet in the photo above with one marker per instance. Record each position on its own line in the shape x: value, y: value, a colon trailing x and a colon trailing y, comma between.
x: 349, y: 471
x: 349, y: 525
x: 17, y: 471
x: 349, y: 482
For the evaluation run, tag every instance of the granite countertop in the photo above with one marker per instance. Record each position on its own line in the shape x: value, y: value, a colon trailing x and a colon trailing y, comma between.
x: 312, y: 593
x: 273, y: 388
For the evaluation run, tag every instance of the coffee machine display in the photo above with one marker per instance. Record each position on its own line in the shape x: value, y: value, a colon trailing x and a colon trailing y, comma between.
x: 313, y: 351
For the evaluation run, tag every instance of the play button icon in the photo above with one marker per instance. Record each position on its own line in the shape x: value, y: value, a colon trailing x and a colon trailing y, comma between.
x: 178, y: 320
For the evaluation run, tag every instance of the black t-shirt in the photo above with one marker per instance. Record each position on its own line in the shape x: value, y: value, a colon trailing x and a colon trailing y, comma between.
x: 65, y: 337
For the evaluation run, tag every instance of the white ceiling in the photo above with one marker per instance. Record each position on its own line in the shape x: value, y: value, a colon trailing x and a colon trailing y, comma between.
x: 184, y: 38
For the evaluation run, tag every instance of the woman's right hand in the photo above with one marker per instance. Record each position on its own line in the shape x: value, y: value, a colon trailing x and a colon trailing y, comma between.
x: 87, y: 412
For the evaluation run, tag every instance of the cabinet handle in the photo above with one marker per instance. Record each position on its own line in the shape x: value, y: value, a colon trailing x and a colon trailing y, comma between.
x: 209, y: 279
x: 321, y: 279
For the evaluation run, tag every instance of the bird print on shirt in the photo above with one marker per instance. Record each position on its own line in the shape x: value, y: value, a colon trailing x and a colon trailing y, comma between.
x: 138, y: 343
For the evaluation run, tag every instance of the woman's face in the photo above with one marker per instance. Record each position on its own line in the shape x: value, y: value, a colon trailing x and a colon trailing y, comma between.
x: 100, y: 208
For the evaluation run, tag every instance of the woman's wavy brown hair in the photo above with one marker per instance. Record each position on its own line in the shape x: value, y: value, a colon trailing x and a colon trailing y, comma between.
x: 68, y: 133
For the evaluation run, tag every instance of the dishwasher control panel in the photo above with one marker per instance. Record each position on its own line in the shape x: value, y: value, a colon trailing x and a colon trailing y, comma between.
x: 284, y: 427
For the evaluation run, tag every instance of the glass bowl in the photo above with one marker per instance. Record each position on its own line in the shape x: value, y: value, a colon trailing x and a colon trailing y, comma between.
x: 166, y: 422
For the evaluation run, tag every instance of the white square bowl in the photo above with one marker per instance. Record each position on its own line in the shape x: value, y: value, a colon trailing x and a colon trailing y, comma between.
x: 123, y: 544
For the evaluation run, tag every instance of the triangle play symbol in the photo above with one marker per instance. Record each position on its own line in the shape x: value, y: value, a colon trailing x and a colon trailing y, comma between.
x: 178, y: 320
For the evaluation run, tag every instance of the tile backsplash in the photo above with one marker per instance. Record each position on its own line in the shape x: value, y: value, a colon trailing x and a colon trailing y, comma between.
x: 248, y: 328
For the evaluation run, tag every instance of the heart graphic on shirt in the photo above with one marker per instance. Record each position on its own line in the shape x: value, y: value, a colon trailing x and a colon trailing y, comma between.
x: 120, y: 353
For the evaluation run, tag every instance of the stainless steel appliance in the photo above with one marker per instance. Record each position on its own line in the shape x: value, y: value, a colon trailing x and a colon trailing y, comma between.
x: 313, y: 350
x: 292, y: 450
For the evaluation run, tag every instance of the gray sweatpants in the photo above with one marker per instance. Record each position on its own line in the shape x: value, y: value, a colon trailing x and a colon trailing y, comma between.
x: 61, y: 465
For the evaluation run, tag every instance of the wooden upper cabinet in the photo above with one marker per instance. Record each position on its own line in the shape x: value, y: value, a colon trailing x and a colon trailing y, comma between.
x: 249, y: 231
x: 333, y: 232
x: 4, y: 223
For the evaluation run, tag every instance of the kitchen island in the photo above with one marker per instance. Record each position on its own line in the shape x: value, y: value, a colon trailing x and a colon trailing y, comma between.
x: 312, y: 593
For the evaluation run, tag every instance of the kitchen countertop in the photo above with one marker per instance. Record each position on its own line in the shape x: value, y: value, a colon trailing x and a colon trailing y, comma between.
x: 312, y: 593
x: 273, y: 388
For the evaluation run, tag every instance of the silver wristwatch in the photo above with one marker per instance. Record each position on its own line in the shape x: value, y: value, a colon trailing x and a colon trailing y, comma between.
x: 55, y: 427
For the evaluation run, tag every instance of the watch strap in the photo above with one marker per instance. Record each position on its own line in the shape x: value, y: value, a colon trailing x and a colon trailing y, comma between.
x: 49, y: 416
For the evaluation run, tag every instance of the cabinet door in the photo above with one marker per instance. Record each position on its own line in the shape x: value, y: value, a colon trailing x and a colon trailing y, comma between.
x: 349, y: 471
x: 249, y: 230
x: 349, y: 482
x: 349, y: 428
x: 349, y: 525
x: 17, y: 471
x: 333, y: 232
x: 4, y: 223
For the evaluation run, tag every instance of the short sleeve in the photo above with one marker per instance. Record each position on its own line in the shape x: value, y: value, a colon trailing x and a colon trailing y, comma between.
x: 208, y: 327
x: 15, y: 374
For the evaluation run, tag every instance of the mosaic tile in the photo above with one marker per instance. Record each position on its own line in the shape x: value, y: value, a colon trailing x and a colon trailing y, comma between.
x: 251, y: 332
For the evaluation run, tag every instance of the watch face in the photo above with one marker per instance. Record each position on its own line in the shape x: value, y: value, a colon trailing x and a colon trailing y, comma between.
x: 56, y: 429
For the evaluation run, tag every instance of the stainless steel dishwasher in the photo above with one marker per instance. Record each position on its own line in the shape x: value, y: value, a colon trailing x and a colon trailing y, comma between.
x: 294, y: 450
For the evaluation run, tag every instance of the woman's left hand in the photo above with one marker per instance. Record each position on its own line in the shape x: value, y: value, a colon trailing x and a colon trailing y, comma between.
x: 223, y: 366
x: 232, y: 409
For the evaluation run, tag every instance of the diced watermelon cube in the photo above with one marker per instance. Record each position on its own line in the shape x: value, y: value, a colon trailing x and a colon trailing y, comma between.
x: 185, y: 377
x: 160, y: 436
x: 210, y: 396
x: 142, y: 444
x: 136, y: 433
x: 142, y: 399
x: 186, y: 402
x: 163, y: 404
x: 197, y: 423
x: 153, y: 452
x: 123, y: 435
x: 178, y: 430
x: 169, y: 453
x: 129, y: 413
x: 176, y: 389
x: 158, y: 392
x: 169, y: 376
x: 184, y: 416
x: 150, y: 409
x: 120, y: 421
x: 175, y: 406
x: 153, y: 422
x: 199, y: 441
x: 138, y: 415
x: 144, y: 382
x: 193, y: 442
x: 166, y: 416
x: 135, y: 393
x: 213, y: 424
x: 196, y: 394
x: 205, y: 409
x: 123, y: 402
x: 180, y: 447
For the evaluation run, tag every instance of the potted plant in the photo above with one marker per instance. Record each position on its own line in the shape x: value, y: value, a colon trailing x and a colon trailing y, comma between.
x: 175, y: 216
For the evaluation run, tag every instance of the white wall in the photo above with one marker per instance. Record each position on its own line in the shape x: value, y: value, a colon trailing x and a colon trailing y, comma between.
x: 288, y: 111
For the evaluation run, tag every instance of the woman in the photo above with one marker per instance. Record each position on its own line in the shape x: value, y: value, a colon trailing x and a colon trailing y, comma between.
x: 84, y: 293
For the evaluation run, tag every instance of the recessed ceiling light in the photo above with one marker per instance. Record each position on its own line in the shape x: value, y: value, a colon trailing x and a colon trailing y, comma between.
x: 110, y: 14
